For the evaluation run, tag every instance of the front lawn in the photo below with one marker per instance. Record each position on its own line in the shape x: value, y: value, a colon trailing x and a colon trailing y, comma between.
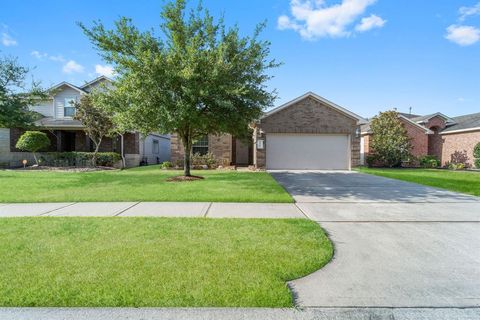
x: 459, y: 181
x: 155, y: 262
x: 138, y: 184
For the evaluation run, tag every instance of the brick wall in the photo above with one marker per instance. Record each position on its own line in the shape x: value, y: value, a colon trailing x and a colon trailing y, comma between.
x: 437, y: 122
x: 459, y: 147
x: 131, y: 143
x: 419, y: 139
x: 220, y: 146
x: 309, y: 116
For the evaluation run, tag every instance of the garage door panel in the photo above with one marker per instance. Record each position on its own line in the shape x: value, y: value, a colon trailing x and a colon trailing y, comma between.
x: 297, y: 151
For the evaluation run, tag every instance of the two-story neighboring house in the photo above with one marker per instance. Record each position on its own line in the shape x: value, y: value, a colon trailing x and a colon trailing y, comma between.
x: 67, y: 134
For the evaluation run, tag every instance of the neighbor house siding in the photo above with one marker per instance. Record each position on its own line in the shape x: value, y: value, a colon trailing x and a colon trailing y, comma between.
x: 59, y: 99
x: 308, y: 116
x: 45, y: 108
x: 458, y: 147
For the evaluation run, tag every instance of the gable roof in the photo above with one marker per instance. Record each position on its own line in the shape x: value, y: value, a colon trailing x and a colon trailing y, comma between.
x: 423, y: 119
x: 64, y: 83
x: 365, y: 129
x: 97, y: 79
x: 468, y: 122
x: 310, y: 94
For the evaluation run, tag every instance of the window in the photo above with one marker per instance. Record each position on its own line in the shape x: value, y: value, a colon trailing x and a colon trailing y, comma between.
x: 201, y: 146
x: 155, y: 147
x: 69, y: 107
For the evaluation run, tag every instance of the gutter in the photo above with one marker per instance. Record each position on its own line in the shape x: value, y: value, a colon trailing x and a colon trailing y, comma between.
x: 461, y: 130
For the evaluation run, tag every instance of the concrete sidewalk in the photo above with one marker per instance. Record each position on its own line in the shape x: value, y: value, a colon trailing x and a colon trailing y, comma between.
x: 238, y: 313
x: 153, y: 209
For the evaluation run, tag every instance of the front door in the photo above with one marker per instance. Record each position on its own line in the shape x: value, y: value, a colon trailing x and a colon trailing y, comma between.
x: 69, y: 141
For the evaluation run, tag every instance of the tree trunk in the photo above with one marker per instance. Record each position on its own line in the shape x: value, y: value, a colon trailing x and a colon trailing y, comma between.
x: 94, y: 158
x: 187, y: 149
x: 35, y: 157
x: 122, y: 153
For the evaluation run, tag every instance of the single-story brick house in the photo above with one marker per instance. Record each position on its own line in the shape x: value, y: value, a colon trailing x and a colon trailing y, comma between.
x: 451, y: 139
x: 308, y: 132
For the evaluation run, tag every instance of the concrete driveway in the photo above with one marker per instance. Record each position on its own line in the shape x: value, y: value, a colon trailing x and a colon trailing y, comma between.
x: 397, y: 244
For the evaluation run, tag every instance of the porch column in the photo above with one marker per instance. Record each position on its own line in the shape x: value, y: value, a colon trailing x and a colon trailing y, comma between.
x: 58, y: 134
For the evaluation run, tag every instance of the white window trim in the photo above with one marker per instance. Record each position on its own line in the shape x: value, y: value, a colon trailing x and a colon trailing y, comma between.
x: 65, y: 102
x: 157, y: 143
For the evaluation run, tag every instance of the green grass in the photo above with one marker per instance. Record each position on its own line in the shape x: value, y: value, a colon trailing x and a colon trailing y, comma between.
x: 138, y: 184
x: 156, y: 262
x: 459, y: 181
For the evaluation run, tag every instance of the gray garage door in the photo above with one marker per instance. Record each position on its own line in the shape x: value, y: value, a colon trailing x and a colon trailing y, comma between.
x: 307, y: 151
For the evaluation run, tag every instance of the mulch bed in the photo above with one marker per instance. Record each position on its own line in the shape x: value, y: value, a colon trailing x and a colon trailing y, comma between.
x: 184, y: 178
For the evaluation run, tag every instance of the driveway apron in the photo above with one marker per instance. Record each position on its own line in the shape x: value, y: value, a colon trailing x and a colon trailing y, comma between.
x: 397, y: 244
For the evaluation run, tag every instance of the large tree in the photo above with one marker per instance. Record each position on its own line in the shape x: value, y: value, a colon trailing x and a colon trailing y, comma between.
x: 15, y: 97
x: 197, y: 78
x: 390, y: 142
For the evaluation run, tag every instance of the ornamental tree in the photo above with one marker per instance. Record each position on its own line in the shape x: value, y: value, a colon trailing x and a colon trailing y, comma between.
x: 15, y: 97
x: 199, y: 77
x: 33, y: 141
x: 390, y: 142
x: 96, y: 121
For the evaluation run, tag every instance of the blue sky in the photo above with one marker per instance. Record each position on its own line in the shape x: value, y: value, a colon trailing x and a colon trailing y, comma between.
x: 365, y: 55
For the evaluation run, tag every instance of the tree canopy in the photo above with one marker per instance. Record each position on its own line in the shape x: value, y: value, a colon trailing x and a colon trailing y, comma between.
x: 33, y: 141
x: 15, y: 97
x: 96, y: 121
x: 390, y: 142
x: 199, y: 77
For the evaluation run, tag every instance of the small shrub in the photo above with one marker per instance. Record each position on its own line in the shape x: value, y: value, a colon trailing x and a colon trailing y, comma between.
x: 429, y: 161
x: 33, y: 141
x: 207, y: 160
x: 166, y: 165
x: 371, y: 160
x: 456, y: 166
x: 179, y: 163
x: 476, y: 155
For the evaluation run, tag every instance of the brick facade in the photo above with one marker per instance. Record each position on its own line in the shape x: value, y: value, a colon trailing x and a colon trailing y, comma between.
x: 221, y: 146
x: 458, y: 147
x: 418, y: 138
x: 308, y: 115
x: 447, y: 147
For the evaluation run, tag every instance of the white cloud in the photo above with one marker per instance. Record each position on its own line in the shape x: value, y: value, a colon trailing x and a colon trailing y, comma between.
x: 314, y: 19
x: 7, y: 40
x: 38, y: 54
x: 368, y: 23
x: 463, y: 35
x: 58, y: 58
x: 105, y: 70
x: 465, y: 12
x: 71, y: 67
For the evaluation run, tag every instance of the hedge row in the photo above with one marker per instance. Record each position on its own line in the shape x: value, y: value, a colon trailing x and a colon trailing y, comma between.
x: 79, y: 159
